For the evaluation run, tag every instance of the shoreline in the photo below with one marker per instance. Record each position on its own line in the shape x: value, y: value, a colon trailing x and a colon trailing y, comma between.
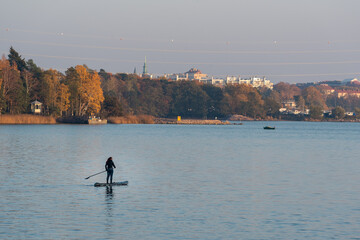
x: 28, y: 119
x: 191, y: 121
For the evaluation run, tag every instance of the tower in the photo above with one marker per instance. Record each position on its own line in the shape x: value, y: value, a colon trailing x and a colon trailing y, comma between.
x: 145, y: 70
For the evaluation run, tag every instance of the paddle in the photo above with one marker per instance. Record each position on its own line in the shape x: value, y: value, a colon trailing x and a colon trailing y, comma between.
x: 95, y: 174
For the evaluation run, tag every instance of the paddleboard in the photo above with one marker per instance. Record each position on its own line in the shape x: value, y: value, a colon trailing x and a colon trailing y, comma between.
x: 124, y: 183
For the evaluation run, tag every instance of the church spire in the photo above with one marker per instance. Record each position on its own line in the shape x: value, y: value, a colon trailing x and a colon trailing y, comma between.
x: 145, y: 70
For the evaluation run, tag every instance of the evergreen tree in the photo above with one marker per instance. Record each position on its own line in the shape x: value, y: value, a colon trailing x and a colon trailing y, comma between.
x: 15, y: 59
x: 37, y: 81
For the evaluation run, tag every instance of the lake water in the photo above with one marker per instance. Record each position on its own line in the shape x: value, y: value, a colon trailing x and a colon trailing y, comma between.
x: 300, y: 181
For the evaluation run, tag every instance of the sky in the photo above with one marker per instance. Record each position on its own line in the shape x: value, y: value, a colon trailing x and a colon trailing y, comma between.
x: 284, y: 40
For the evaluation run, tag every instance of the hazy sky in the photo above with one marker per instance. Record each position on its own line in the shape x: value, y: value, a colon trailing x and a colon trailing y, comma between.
x: 284, y: 40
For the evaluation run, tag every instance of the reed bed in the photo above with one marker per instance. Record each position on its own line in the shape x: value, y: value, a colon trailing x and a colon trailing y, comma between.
x: 132, y: 119
x: 26, y: 119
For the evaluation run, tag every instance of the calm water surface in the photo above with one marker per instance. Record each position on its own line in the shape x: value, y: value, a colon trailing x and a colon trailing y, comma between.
x: 300, y: 181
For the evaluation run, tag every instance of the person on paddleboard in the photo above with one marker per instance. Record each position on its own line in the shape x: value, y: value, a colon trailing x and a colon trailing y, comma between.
x: 109, y: 166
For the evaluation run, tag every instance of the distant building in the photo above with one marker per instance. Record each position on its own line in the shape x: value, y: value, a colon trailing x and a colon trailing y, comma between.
x: 195, y: 74
x: 352, y: 82
x: 256, y: 82
x: 332, y: 83
x: 326, y: 89
x: 177, y: 77
x: 350, y: 114
x: 347, y: 93
x: 289, y: 104
x: 36, y: 107
x: 213, y: 81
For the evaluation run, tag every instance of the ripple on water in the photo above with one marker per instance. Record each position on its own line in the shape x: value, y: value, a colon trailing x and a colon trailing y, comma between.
x: 186, y: 182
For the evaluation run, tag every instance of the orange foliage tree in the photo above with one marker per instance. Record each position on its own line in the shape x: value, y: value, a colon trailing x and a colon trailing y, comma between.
x: 10, y: 87
x: 90, y: 91
x: 63, y: 98
x: 50, y: 87
x: 313, y: 97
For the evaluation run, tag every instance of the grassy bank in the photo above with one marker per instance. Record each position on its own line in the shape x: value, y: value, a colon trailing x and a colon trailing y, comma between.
x: 26, y: 119
x: 140, y: 119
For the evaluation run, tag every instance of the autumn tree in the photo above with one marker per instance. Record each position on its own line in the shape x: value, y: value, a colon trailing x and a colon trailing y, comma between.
x: 287, y: 91
x: 244, y: 99
x: 12, y: 88
x: 300, y: 102
x: 316, y: 112
x: 349, y: 103
x: 338, y: 112
x: 63, y: 98
x: 50, y: 89
x: 313, y: 97
x: 2, y: 99
x: 89, y: 92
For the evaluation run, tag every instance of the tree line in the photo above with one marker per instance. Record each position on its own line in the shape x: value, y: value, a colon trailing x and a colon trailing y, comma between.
x: 81, y: 91
x: 77, y: 92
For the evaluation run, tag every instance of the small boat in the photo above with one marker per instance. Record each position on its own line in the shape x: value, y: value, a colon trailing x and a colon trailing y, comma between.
x: 269, y: 128
x: 124, y: 183
x: 96, y: 120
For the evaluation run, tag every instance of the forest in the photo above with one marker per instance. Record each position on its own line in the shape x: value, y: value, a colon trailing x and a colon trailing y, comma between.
x: 81, y: 91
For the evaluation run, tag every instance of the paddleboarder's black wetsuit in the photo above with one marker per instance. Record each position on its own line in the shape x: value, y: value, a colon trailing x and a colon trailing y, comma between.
x: 109, y: 166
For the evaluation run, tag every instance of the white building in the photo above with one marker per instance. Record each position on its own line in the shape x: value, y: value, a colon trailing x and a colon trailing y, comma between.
x: 177, y: 77
x: 253, y: 81
x: 195, y: 74
x: 36, y: 107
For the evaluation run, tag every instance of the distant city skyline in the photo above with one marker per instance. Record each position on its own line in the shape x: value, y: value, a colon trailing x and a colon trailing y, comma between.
x: 290, y: 41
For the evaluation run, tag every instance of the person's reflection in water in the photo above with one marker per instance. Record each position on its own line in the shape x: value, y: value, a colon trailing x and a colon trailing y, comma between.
x: 109, y: 201
x: 109, y: 193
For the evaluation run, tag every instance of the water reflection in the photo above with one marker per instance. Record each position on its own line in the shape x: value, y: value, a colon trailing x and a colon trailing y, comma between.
x: 245, y: 185
x: 109, y: 192
x: 109, y: 196
x: 109, y: 200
